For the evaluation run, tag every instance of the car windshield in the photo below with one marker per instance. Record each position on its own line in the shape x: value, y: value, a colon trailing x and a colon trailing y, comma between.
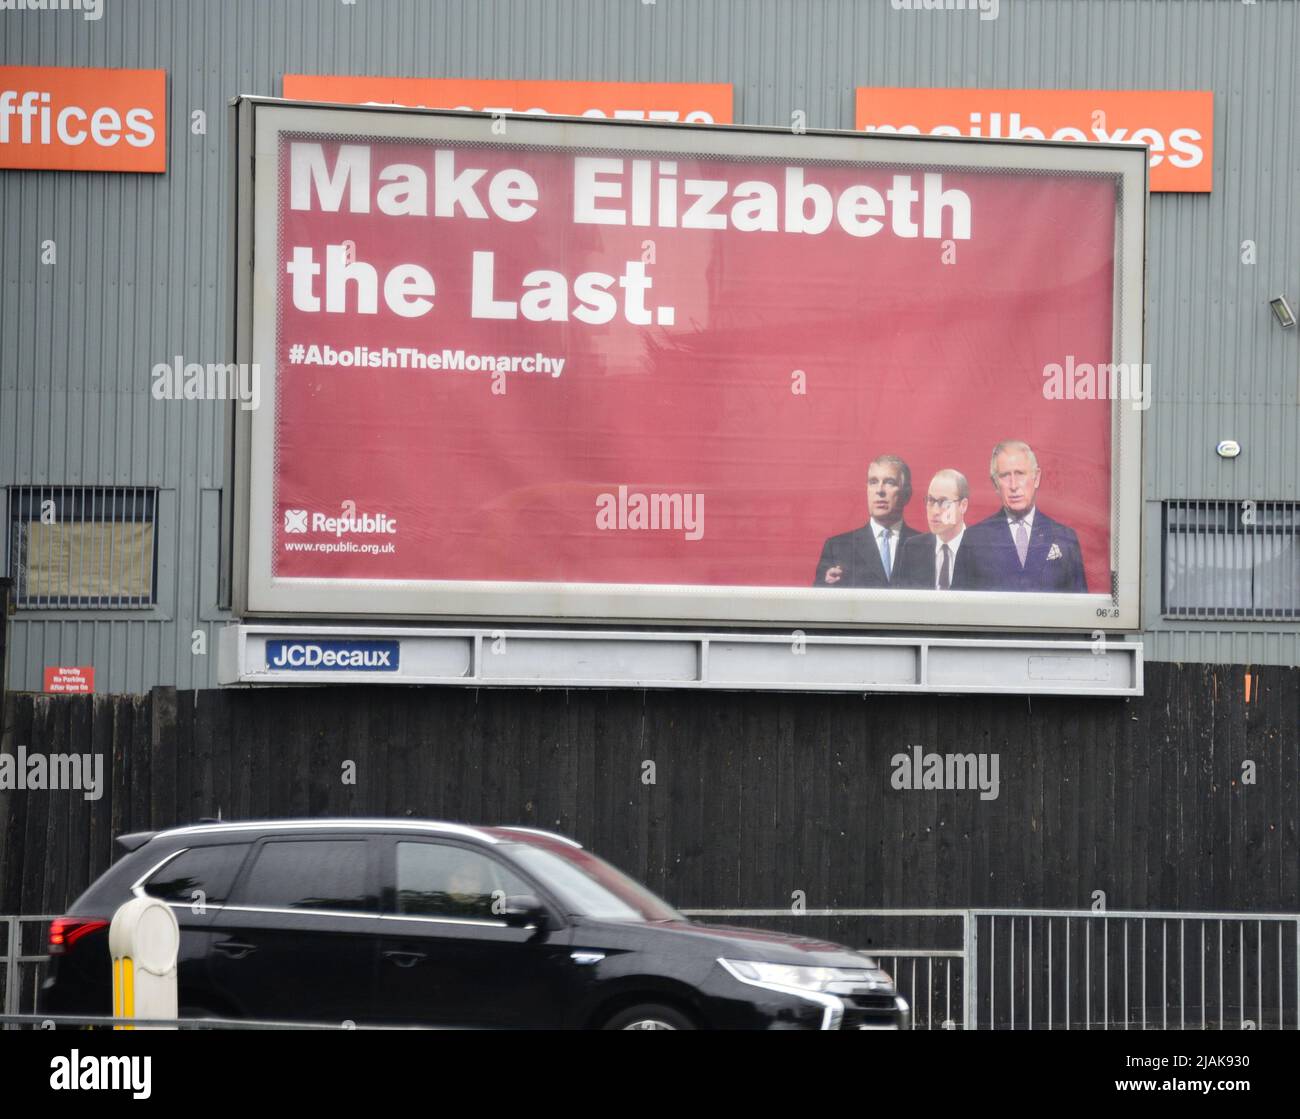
x: 590, y: 887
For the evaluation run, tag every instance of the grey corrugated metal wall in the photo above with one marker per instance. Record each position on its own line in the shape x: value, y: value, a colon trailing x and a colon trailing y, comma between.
x: 141, y: 260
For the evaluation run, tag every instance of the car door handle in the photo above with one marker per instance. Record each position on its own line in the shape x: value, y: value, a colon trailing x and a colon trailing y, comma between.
x: 405, y: 959
x: 235, y: 949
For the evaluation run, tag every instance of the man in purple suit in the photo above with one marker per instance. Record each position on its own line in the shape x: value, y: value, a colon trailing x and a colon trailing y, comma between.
x: 1021, y: 548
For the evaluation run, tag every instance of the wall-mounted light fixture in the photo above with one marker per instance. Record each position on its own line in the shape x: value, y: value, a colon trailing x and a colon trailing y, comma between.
x: 1282, y: 311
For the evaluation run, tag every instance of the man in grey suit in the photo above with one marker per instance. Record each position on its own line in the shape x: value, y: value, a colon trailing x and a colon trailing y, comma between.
x: 867, y: 556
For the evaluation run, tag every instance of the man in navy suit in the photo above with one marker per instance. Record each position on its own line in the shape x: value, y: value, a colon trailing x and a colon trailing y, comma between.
x: 1020, y: 548
x: 867, y: 556
x: 936, y: 560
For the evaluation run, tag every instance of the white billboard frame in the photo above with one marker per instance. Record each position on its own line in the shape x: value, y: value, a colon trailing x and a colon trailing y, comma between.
x: 259, y: 124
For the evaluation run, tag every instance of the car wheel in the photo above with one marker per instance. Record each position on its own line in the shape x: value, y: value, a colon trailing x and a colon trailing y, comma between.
x: 650, y: 1016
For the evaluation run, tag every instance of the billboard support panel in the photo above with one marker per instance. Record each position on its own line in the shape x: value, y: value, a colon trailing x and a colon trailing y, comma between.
x: 560, y: 370
x: 271, y: 654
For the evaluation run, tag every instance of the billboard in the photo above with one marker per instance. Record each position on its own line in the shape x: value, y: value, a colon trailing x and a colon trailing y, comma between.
x: 1177, y: 125
x: 592, y: 371
x: 63, y: 118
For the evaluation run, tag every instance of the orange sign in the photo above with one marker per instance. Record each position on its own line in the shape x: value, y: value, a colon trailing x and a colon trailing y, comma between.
x: 70, y: 681
x: 1177, y: 125
x: 54, y: 118
x: 670, y: 101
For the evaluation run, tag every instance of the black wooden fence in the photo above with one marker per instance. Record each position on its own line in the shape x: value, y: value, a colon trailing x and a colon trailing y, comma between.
x: 1186, y: 798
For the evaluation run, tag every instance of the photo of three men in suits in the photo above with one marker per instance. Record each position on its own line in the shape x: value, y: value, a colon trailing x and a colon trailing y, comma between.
x: 1017, y: 549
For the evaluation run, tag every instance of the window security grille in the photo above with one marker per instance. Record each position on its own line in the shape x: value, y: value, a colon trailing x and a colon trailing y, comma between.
x: 83, y: 547
x: 1232, y: 559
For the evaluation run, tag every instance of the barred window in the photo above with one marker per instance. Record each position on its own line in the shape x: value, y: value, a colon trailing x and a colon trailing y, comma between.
x: 1232, y: 559
x: 83, y: 547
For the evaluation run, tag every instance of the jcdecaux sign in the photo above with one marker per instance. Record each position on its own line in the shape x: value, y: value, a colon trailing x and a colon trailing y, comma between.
x: 332, y: 656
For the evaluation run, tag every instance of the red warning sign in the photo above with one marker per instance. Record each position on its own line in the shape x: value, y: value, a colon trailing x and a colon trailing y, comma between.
x: 76, y: 680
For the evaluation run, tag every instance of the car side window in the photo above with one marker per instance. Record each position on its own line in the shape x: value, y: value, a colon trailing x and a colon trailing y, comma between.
x: 200, y: 876
x: 330, y: 874
x: 442, y: 880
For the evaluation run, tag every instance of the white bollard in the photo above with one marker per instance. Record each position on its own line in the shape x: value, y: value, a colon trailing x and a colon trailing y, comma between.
x: 144, y: 941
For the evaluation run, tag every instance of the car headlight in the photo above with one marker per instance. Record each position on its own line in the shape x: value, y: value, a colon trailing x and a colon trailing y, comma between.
x: 834, y: 980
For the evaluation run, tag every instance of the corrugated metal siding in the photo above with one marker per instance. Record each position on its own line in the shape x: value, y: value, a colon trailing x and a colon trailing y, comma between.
x: 141, y: 259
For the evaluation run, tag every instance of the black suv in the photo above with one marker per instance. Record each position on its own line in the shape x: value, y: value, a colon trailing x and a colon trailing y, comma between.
x: 415, y: 922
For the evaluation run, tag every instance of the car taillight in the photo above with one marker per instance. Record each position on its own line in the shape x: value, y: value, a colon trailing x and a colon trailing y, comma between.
x: 66, y: 931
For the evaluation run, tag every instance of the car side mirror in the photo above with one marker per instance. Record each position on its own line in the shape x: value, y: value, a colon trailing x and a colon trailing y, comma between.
x: 521, y: 910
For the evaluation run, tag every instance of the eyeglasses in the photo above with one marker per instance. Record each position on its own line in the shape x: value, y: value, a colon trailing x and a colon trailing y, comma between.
x: 943, y: 503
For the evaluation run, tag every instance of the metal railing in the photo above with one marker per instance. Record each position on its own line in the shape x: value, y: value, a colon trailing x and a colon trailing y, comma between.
x: 22, y: 961
x: 985, y: 969
x: 932, y: 981
x: 1045, y: 969
x: 1026, y: 969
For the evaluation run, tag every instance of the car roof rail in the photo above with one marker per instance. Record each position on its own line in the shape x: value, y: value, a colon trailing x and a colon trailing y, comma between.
x: 329, y: 823
x: 539, y: 831
x: 133, y: 841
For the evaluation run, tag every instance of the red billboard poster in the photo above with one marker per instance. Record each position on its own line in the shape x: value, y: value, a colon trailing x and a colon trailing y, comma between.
x: 610, y: 373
